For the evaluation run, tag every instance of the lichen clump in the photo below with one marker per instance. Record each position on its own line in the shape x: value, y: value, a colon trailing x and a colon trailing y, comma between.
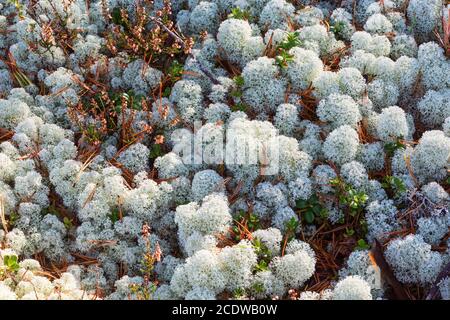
x: 224, y: 149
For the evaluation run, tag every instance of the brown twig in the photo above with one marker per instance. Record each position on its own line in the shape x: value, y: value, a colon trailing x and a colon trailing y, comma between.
x: 434, y: 293
x: 399, y: 290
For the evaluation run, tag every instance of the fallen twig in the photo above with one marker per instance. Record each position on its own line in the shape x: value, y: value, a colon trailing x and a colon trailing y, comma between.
x: 434, y: 293
x: 386, y: 272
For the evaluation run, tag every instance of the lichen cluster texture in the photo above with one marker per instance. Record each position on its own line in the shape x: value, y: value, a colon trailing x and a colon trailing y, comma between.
x: 121, y: 122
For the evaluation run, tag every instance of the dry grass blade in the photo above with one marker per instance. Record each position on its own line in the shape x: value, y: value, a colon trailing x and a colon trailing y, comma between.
x: 5, y: 134
x: 2, y: 214
x: 233, y: 197
x: 244, y: 230
x: 82, y: 84
x: 103, y: 243
x: 90, y: 197
x: 445, y: 41
x: 222, y: 184
x: 269, y: 50
x: 85, y: 165
x: 410, y: 170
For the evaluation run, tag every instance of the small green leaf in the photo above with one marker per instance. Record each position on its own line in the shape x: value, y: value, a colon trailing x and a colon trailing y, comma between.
x: 239, y: 292
x: 391, y: 147
x: 292, y: 225
x: 116, y: 16
x: 349, y: 232
x: 258, y: 287
x: 394, y: 184
x: 261, y: 266
x: 309, y: 216
x: 13, y: 217
x: 317, y: 209
x: 239, y: 107
x: 361, y: 244
x: 67, y: 223
x: 175, y: 70
x: 167, y: 91
x: 11, y: 263
x: 155, y: 151
x: 239, y: 80
x: 301, y: 204
x: 238, y: 13
x: 337, y: 28
x: 284, y: 58
x: 236, y: 93
x: 114, y: 215
x: 323, y: 213
x: 292, y: 40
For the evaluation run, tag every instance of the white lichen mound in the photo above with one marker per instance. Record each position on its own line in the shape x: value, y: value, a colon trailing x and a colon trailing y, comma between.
x: 412, y: 260
x: 341, y: 145
x: 207, y: 149
x: 27, y: 281
x: 352, y: 288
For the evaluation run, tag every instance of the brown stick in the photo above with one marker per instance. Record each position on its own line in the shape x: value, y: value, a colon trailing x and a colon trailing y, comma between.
x: 399, y: 291
x: 434, y: 291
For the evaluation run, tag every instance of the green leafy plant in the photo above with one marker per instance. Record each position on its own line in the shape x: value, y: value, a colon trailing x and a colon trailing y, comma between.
x: 283, y: 56
x: 353, y: 199
x: 393, y: 185
x: 175, y: 70
x: 114, y: 216
x: 239, y: 80
x: 363, y: 227
x: 291, y: 228
x: 114, y: 101
x: 174, y: 74
x: 11, y: 263
x: 239, y: 83
x: 156, y: 151
x: 361, y: 244
x: 239, y: 293
x: 264, y: 255
x: 167, y: 91
x: 116, y: 15
x: 67, y: 223
x: 239, y: 107
x: 132, y: 100
x: 258, y: 287
x: 349, y: 232
x: 337, y: 28
x: 292, y: 40
x: 13, y: 217
x: 92, y: 134
x: 147, y: 288
x: 312, y: 209
x: 253, y: 222
x: 19, y: 7
x: 391, y: 147
x: 238, y: 13
x: 245, y: 222
x: 52, y: 210
x: 260, y: 248
x: 262, y: 265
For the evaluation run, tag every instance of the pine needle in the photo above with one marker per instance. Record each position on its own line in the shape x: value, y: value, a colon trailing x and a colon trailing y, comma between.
x: 2, y: 213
